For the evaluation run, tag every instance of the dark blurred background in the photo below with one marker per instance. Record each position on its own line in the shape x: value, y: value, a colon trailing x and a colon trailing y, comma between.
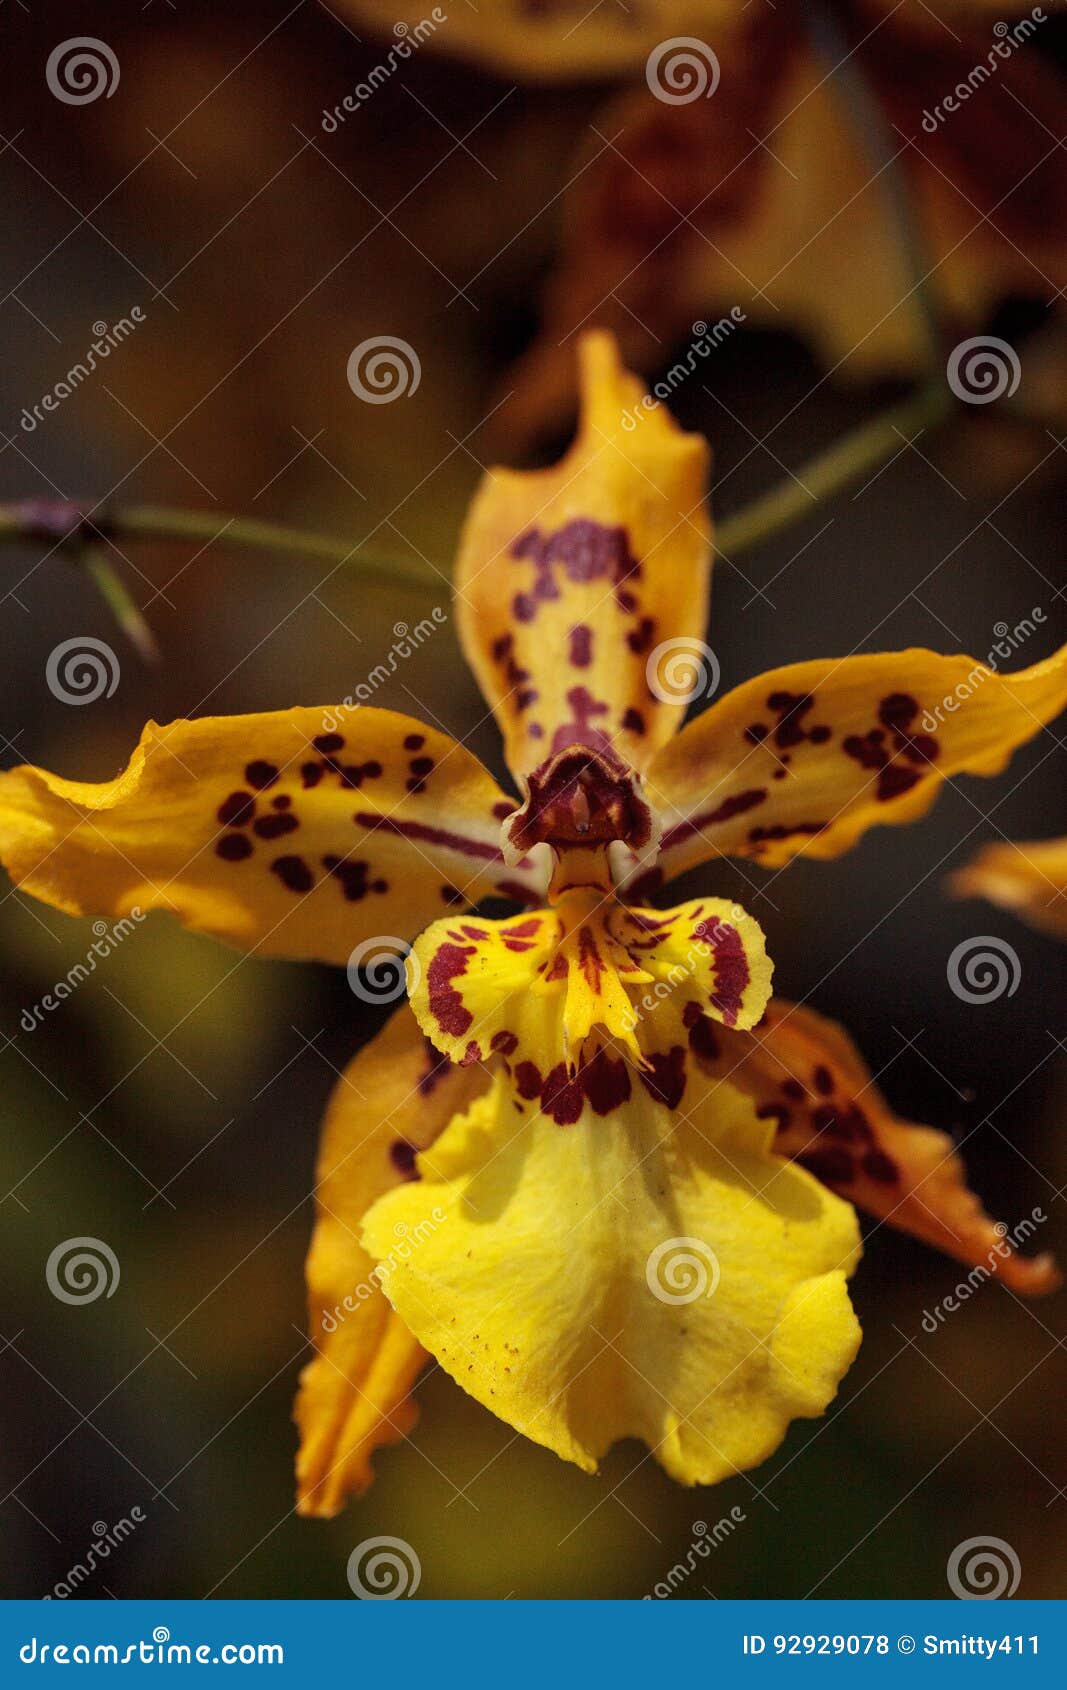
x: 171, y: 1106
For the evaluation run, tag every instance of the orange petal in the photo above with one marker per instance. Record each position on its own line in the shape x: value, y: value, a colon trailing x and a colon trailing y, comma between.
x: 570, y: 581
x: 765, y: 198
x: 566, y: 40
x: 296, y: 833
x: 806, y: 1074
x: 391, y: 1102
x: 804, y: 759
x: 1029, y: 879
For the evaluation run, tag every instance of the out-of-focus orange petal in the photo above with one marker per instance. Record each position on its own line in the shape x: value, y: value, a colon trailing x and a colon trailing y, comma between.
x: 804, y: 759
x: 562, y: 41
x: 766, y: 198
x: 391, y: 1102
x: 1030, y: 879
x: 806, y: 1075
x: 570, y: 580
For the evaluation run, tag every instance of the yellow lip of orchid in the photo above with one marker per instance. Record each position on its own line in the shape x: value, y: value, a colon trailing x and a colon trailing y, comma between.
x: 609, y: 1088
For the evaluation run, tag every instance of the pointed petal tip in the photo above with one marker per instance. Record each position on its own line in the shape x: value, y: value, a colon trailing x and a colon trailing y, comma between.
x: 1030, y: 1276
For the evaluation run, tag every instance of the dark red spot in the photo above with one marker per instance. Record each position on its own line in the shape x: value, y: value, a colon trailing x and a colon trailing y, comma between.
x: 731, y: 966
x: 414, y: 742
x: 293, y: 873
x: 504, y: 1042
x: 830, y: 1163
x: 790, y: 708
x: 583, y: 549
x: 282, y: 802
x: 235, y: 810
x: 353, y: 878
x: 260, y: 774
x: 272, y: 827
x: 640, y: 639
x: 402, y: 1155
x: 471, y: 1055
x: 446, y: 1005
x: 776, y: 1112
x: 665, y: 1078
x: 421, y: 765
x: 527, y: 1080
x: 823, y: 1080
x: 868, y: 751
x: 606, y: 1082
x: 581, y: 646
x: 233, y: 848
x: 561, y: 1096
x: 327, y: 743
x: 794, y: 1089
x: 880, y: 1167
x: 756, y: 732
x: 502, y: 810
x: 452, y: 895
x: 311, y: 773
x: 633, y: 722
x: 898, y: 711
x: 895, y: 781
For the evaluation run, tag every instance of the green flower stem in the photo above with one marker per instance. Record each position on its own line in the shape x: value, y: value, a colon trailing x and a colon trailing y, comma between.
x: 160, y: 522
x: 825, y: 475
x: 43, y: 522
x: 83, y: 540
x: 116, y: 595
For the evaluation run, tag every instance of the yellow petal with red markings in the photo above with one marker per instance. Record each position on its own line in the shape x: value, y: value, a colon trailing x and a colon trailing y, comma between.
x: 391, y: 1103
x: 532, y: 989
x: 271, y: 832
x: 804, y: 759
x: 1030, y: 879
x: 807, y: 1077
x: 570, y: 580
x: 657, y: 1276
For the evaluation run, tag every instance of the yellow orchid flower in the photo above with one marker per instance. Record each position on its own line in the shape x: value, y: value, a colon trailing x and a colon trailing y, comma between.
x: 589, y: 1169
x: 1029, y: 878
